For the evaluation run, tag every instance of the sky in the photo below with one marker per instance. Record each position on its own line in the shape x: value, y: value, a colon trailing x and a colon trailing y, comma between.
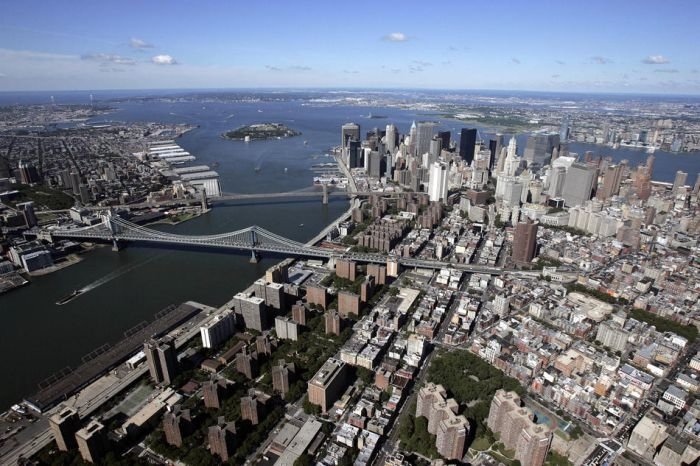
x: 638, y: 46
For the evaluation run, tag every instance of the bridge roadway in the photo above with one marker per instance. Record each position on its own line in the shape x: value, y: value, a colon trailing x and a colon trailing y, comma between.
x: 253, y: 239
x: 229, y: 197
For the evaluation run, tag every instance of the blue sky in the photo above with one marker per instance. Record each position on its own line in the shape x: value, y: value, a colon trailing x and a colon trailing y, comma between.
x: 591, y: 46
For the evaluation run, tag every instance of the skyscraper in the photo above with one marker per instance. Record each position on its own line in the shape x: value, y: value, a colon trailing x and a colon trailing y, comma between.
x: 437, y: 186
x: 564, y: 129
x: 445, y: 137
x: 578, y: 184
x: 524, y: 242
x: 611, y: 182
x: 539, y: 148
x: 377, y: 164
x: 467, y: 144
x: 349, y: 131
x: 679, y: 181
x: 161, y: 359
x: 424, y: 133
x: 28, y: 173
x: 391, y: 138
x: 27, y: 209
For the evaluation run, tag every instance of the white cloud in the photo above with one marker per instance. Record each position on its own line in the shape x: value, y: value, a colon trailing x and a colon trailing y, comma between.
x: 656, y: 60
x: 515, y: 60
x: 396, y: 37
x: 108, y: 58
x: 136, y: 43
x: 163, y: 60
x: 601, y: 60
x: 9, y: 54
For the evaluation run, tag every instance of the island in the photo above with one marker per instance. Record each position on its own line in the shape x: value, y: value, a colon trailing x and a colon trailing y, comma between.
x: 261, y: 131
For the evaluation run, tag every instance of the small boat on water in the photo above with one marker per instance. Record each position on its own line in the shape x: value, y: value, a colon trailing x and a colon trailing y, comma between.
x: 301, y: 225
x: 69, y: 297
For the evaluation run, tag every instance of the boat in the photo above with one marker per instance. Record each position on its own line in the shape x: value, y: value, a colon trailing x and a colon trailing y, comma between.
x: 285, y: 169
x: 69, y: 297
x: 301, y: 225
x: 257, y: 169
x: 306, y: 143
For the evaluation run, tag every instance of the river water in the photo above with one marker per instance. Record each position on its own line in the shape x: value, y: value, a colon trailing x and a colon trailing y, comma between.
x: 38, y: 338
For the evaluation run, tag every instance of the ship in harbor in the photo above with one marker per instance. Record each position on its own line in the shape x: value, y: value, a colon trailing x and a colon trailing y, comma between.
x: 68, y: 298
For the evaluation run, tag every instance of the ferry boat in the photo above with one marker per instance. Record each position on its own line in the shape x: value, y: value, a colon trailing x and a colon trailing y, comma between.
x: 69, y: 297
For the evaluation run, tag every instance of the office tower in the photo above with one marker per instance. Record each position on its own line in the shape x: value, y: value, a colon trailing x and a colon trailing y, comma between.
x: 512, y: 191
x: 92, y: 441
x: 445, y: 138
x: 512, y: 161
x: 27, y: 209
x: 679, y: 181
x: 328, y: 384
x: 251, y: 408
x: 28, y: 173
x: 611, y: 182
x: 467, y: 144
x: 556, y: 181
x: 424, y: 133
x: 354, y: 151
x: 345, y: 268
x: 696, y: 187
x: 435, y: 148
x: 217, y: 330
x: 75, y: 183
x: 332, y: 323
x: 392, y: 138
x: 578, y: 184
x: 281, y: 374
x: 349, y: 131
x: 253, y: 310
x: 299, y: 313
x: 64, y: 424
x: 221, y: 438
x: 162, y: 359
x: 247, y: 363
x: 176, y: 425
x: 524, y: 242
x: 539, y: 148
x: 535, y: 187
x: 377, y: 165
x: 437, y: 186
x: 564, y: 130
x: 84, y: 194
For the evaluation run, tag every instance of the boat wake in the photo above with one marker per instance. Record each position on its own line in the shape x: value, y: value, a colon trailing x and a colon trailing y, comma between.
x: 104, y: 280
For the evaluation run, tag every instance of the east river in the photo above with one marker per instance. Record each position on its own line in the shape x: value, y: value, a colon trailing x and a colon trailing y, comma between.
x: 38, y: 338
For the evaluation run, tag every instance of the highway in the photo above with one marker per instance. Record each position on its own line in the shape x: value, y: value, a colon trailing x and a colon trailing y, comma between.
x: 39, y: 434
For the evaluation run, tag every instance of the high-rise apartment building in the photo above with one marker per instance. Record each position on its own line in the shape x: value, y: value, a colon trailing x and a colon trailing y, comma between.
x: 162, y: 359
x: 518, y: 431
x: 176, y: 425
x: 450, y: 429
x: 64, y: 424
x: 92, y: 441
x: 332, y: 323
x: 328, y: 384
x: 253, y: 310
x: 221, y: 438
x: 611, y: 182
x: 612, y: 335
x: 679, y: 181
x: 218, y: 329
x: 281, y: 374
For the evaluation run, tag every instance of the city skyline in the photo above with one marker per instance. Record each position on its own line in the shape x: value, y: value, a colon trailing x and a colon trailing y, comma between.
x: 510, y: 46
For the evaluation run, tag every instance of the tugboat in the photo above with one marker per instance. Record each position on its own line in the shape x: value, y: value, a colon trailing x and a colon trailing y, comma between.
x: 69, y: 297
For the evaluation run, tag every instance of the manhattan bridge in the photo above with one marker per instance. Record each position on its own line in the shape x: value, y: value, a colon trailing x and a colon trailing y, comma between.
x: 255, y: 239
